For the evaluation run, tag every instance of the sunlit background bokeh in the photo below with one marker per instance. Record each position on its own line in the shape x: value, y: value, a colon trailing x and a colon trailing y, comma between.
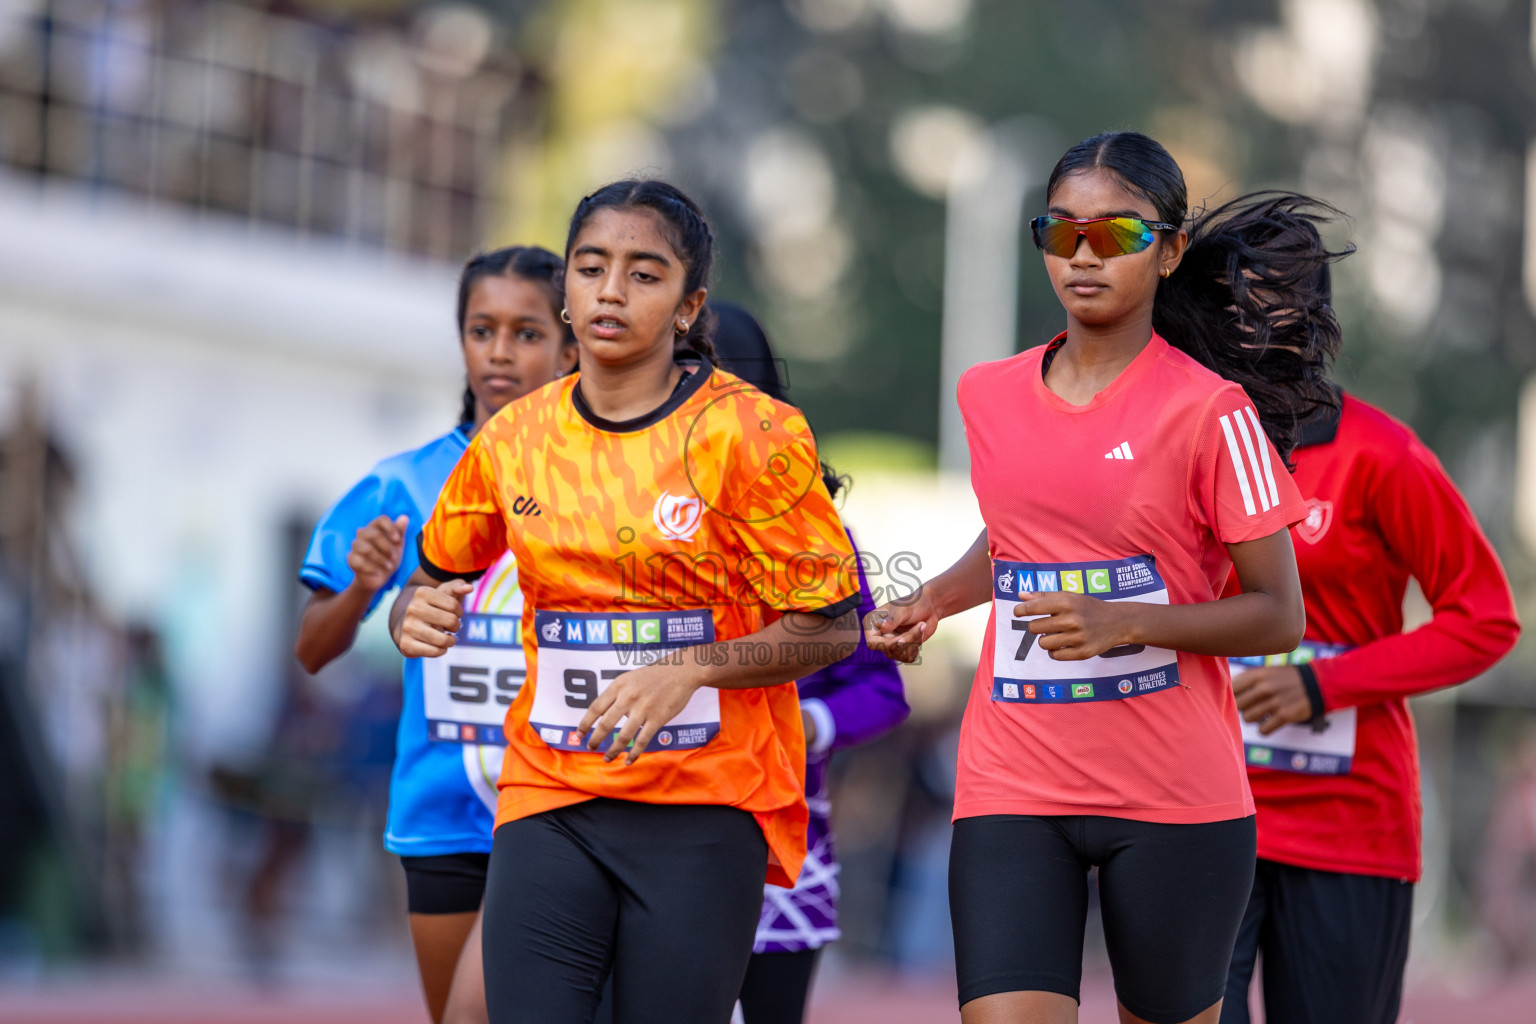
x: 228, y: 239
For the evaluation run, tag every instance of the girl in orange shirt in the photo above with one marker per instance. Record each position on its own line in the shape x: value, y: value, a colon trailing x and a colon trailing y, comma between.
x: 682, y: 564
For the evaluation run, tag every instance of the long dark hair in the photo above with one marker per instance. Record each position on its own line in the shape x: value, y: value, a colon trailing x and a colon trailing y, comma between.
x: 687, y: 230
x: 1250, y: 300
x: 527, y: 262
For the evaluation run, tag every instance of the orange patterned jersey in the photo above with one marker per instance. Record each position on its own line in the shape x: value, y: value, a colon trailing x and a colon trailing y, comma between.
x: 648, y: 539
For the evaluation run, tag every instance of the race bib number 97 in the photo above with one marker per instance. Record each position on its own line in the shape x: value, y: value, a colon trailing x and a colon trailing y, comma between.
x: 1327, y: 748
x: 581, y: 654
x: 1024, y: 673
x: 467, y: 690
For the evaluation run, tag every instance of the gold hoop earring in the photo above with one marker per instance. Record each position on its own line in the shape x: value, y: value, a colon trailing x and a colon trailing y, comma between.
x: 1166, y: 272
x: 565, y: 315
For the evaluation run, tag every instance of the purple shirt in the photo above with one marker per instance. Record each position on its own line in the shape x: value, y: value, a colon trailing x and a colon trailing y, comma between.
x: 851, y: 701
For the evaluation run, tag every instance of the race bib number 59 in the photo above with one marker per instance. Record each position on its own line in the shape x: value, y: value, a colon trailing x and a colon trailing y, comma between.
x: 467, y: 690
x: 1022, y: 672
x: 581, y: 654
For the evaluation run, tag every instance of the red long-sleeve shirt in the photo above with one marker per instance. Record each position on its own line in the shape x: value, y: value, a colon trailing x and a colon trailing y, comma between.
x: 1381, y: 509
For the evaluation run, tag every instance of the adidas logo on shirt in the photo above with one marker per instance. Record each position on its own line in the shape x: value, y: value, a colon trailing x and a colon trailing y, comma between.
x: 1120, y: 451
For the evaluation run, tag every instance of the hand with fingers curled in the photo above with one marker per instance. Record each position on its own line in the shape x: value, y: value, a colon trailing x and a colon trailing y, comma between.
x: 376, y: 552
x: 1273, y: 696
x: 898, y: 629
x: 637, y: 704
x: 431, y: 621
x: 1076, y: 627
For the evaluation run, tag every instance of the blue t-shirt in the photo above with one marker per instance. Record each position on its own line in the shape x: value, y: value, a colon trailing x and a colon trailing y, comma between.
x: 442, y: 795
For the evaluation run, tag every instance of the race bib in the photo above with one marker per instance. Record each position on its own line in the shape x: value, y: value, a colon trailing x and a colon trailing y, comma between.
x: 1024, y: 673
x: 468, y: 689
x: 1327, y: 748
x: 581, y: 653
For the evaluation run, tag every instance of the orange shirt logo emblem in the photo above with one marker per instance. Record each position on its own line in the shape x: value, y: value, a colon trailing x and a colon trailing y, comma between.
x: 677, y: 518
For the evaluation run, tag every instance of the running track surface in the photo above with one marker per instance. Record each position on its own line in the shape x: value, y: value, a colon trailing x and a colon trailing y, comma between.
x: 849, y: 999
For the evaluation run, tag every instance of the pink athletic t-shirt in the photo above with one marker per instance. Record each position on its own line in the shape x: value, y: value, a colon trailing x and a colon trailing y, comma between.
x: 1130, y: 497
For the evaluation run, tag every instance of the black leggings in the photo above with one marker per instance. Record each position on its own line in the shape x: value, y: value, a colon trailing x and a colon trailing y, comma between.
x: 1171, y: 897
x: 776, y: 987
x: 666, y: 897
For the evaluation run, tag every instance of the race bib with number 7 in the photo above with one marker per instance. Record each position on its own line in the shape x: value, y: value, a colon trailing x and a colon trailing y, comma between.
x: 1024, y: 673
x: 582, y: 653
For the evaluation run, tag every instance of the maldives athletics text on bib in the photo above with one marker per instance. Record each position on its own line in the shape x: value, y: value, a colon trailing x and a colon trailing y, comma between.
x: 467, y: 689
x: 581, y: 653
x: 1327, y: 748
x: 1023, y: 673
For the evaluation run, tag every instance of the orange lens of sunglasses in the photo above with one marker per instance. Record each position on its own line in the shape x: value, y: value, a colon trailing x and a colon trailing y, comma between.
x: 1107, y: 236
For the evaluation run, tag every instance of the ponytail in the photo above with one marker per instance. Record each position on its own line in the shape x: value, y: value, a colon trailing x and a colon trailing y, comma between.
x: 467, y: 406
x: 1252, y: 301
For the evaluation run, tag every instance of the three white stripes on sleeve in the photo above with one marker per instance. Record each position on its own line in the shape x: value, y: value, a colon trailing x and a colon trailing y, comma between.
x: 1258, y: 460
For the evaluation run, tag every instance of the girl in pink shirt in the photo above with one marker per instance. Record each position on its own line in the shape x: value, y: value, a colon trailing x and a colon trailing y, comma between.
x: 1122, y: 471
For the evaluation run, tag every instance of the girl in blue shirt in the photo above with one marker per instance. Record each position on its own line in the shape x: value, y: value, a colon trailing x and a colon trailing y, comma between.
x: 442, y: 794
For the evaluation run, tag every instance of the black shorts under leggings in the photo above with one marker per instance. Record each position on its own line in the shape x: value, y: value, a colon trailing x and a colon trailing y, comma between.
x: 667, y: 897
x: 1171, y: 896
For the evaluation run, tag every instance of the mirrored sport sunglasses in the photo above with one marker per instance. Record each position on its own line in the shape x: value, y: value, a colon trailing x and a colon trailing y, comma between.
x: 1107, y: 236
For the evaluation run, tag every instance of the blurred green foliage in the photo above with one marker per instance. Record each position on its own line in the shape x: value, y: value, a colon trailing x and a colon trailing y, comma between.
x: 1460, y: 72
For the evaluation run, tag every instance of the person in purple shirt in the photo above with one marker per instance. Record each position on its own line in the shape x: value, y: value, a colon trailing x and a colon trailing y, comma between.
x: 847, y: 703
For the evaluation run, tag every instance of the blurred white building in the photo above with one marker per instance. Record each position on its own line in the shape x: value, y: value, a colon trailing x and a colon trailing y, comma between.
x: 217, y: 385
x: 227, y: 247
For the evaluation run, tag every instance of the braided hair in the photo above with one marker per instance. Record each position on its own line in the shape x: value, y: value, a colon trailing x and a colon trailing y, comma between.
x: 686, y: 229
x: 1250, y: 299
x: 528, y: 262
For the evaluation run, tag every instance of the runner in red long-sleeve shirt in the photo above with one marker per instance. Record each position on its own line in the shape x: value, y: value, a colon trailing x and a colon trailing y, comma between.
x: 1338, y: 791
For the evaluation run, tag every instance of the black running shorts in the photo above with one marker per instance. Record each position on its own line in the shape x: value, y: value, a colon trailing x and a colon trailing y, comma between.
x: 1334, y: 947
x: 1171, y: 895
x: 450, y: 884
